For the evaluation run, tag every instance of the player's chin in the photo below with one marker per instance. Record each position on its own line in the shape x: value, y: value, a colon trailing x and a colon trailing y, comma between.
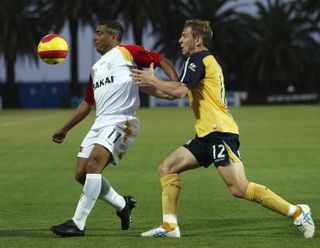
x: 184, y: 53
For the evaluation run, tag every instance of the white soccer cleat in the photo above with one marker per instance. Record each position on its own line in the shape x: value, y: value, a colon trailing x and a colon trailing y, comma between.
x: 159, y: 232
x: 304, y: 221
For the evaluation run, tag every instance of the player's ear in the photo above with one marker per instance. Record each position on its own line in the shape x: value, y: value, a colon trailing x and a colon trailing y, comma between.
x: 115, y: 37
x: 199, y: 40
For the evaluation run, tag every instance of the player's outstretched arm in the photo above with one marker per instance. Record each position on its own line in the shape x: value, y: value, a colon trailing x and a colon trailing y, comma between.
x: 170, y: 71
x: 173, y: 89
x: 152, y: 91
x: 81, y: 112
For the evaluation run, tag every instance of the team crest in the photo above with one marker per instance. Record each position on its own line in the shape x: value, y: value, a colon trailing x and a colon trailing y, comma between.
x: 192, y: 67
x: 109, y: 66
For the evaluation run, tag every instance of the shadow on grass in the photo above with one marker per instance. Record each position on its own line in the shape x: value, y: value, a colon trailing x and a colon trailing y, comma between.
x: 222, y: 227
x: 239, y: 227
x: 46, y: 233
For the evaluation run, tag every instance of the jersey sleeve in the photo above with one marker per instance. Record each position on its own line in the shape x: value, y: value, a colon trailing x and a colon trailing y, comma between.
x: 194, y: 71
x: 142, y: 56
x: 89, y: 97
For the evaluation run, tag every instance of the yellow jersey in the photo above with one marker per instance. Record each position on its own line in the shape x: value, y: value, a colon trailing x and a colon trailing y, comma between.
x: 203, y: 76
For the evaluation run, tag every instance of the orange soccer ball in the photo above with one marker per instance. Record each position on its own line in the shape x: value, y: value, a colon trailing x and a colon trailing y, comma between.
x: 53, y: 49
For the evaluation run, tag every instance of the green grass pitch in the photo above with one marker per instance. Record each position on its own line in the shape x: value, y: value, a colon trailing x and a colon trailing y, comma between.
x: 280, y: 148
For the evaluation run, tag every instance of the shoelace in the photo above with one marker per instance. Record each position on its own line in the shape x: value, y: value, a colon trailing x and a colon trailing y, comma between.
x: 306, y: 218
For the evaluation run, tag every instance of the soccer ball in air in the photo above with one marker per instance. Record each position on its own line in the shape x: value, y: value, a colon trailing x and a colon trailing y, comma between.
x: 53, y: 49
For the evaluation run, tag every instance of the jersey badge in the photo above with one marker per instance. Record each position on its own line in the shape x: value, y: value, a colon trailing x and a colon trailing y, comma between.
x: 109, y: 66
x: 192, y: 67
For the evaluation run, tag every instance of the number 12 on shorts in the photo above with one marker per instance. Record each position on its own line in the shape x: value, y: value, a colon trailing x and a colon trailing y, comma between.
x: 218, y: 152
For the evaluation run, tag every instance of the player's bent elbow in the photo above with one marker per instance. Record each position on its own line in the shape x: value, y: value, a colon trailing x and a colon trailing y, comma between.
x: 180, y: 92
x: 171, y: 97
x: 180, y: 95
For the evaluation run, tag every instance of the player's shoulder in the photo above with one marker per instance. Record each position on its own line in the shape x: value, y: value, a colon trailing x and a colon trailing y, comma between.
x: 199, y: 56
x: 204, y: 58
x: 132, y: 47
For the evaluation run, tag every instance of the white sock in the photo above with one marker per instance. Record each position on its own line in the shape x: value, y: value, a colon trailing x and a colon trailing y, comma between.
x: 105, y: 185
x: 170, y: 218
x: 91, y: 190
x: 292, y: 209
x: 109, y: 195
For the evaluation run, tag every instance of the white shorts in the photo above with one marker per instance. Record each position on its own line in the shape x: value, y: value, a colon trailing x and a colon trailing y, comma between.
x: 115, y: 132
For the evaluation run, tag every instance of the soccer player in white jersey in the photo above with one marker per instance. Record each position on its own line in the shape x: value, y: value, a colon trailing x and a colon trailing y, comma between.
x: 116, y: 98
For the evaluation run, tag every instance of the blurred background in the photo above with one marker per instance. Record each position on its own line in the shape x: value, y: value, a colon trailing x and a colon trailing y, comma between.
x: 269, y: 50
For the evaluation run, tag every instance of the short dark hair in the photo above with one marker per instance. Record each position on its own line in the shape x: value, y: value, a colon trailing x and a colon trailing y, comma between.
x: 200, y: 28
x: 113, y: 27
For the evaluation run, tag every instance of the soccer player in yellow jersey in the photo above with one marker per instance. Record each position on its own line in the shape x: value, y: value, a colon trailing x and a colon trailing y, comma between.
x: 217, y: 136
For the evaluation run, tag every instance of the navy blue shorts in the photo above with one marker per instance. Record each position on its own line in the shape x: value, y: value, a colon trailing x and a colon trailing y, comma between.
x: 217, y: 148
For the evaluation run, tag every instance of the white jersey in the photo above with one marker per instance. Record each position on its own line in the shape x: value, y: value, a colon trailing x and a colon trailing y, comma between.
x: 114, y: 93
x: 114, y: 90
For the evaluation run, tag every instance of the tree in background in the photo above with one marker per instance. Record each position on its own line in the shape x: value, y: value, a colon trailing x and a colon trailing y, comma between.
x: 310, y: 7
x: 230, y: 37
x: 285, y: 51
x: 20, y: 33
x: 138, y: 15
x: 266, y: 51
x: 168, y: 31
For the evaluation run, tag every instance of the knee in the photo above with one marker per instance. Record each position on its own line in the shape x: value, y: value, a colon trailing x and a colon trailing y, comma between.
x: 93, y: 165
x: 80, y: 177
x: 165, y: 170
x: 237, y: 192
x: 161, y: 170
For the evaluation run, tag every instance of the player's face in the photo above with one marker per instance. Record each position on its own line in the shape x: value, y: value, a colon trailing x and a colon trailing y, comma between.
x: 187, y: 42
x: 102, y: 39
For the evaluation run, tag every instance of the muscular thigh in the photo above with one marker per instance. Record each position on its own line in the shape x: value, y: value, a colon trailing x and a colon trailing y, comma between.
x: 99, y: 158
x: 233, y: 175
x: 178, y: 161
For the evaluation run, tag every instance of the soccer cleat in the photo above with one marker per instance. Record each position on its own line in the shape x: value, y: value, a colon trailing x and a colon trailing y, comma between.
x: 67, y: 229
x: 304, y: 221
x: 159, y: 232
x: 125, y: 213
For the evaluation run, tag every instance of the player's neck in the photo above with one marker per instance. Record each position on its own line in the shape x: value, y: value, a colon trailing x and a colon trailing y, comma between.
x: 200, y: 48
x: 109, y: 48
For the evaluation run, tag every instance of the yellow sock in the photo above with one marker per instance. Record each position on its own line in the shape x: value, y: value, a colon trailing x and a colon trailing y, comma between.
x: 264, y: 196
x: 168, y: 226
x: 170, y: 193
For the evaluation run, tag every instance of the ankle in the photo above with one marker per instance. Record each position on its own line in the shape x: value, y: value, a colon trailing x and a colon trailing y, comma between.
x: 296, y: 213
x: 169, y: 226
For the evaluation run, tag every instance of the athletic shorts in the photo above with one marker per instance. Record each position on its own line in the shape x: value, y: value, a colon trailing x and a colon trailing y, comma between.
x: 115, y: 133
x: 217, y: 148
